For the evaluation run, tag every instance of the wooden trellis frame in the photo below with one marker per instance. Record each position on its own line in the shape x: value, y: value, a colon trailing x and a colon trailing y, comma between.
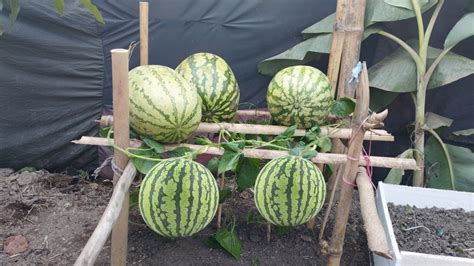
x: 115, y: 217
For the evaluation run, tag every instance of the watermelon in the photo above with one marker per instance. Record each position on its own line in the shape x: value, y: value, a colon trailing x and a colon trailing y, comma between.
x: 178, y: 197
x: 289, y: 191
x: 301, y: 96
x: 163, y: 105
x: 215, y: 83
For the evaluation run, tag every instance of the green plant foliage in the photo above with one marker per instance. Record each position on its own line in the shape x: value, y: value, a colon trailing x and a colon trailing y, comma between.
x: 226, y: 240
x: 180, y: 151
x: 59, y: 5
x: 213, y: 164
x: 133, y: 198
x: 224, y: 194
x: 397, y: 72
x: 247, y: 172
x: 143, y: 165
x: 381, y: 11
x: 434, y: 121
x: 463, y: 29
x: 437, y: 170
x: 464, y: 133
x: 229, y: 161
x: 343, y: 107
x: 406, y: 3
x: 155, y: 145
x: 94, y: 10
x: 395, y: 175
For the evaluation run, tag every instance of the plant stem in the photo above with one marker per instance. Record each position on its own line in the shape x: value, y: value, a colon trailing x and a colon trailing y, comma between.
x: 418, y: 176
x: 421, y: 27
x: 446, y: 154
x: 429, y: 30
x: 404, y: 45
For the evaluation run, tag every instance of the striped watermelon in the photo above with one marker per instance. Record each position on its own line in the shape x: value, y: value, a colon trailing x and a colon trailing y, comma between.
x: 163, y: 105
x: 289, y: 191
x: 178, y: 197
x: 301, y: 96
x: 215, y: 83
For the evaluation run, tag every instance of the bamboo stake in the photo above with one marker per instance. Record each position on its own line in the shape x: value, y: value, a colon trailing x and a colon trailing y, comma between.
x: 337, y: 45
x: 325, y: 158
x: 376, y: 237
x: 143, y: 33
x: 219, y: 210
x: 121, y: 126
x: 341, y: 133
x: 102, y: 231
x: 350, y: 170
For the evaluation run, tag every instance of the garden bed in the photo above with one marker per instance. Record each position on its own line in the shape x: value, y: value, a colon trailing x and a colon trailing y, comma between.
x: 57, y: 214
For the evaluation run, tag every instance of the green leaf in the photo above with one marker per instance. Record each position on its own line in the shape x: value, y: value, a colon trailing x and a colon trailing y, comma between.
x: 327, y: 171
x: 233, y: 146
x: 14, y: 10
x: 200, y: 140
x: 281, y: 230
x: 312, y: 134
x: 287, y: 134
x: 406, y: 3
x: 297, y: 149
x: 380, y: 99
x: 212, y: 242
x: 434, y: 121
x: 343, y: 107
x: 178, y: 152
x: 326, y: 25
x: 397, y: 72
x: 463, y: 29
x: 395, y: 175
x: 143, y: 166
x: 59, y: 5
x: 464, y: 133
x: 155, y: 145
x: 304, y: 52
x: 213, y: 164
x: 224, y: 194
x: 229, y: 241
x: 325, y: 144
x: 229, y: 161
x: 380, y: 11
x: 94, y: 10
x: 247, y: 172
x: 1, y: 29
x: 437, y: 171
x: 309, y: 154
x: 1, y: 5
x: 104, y: 131
x: 133, y: 201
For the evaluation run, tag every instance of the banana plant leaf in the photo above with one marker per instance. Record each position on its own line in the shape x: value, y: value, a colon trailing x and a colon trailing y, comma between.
x: 395, y: 175
x: 406, y: 3
x: 382, y: 11
x: 397, y: 72
x: 463, y: 29
x: 303, y: 52
x: 437, y: 170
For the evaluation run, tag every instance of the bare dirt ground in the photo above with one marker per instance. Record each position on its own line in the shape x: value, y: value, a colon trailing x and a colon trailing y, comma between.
x: 57, y: 213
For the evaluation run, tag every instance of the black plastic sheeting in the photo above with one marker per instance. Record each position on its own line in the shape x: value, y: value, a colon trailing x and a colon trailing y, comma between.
x: 55, y: 71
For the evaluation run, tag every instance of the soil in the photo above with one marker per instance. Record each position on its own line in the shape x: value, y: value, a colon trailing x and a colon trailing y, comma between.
x: 433, y: 230
x: 57, y: 214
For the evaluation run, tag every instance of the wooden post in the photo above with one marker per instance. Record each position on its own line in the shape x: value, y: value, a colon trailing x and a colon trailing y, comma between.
x: 350, y: 169
x: 121, y: 134
x: 143, y: 33
x: 337, y: 45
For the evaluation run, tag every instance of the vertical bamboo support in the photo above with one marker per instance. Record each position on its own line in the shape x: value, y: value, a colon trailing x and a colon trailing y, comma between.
x: 143, y: 33
x: 121, y: 135
x: 219, y: 210
x: 350, y: 170
x: 352, y: 26
x: 337, y: 44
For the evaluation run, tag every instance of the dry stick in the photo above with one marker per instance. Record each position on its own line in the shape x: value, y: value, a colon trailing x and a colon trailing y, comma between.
x: 325, y: 158
x: 219, y: 210
x: 350, y: 170
x: 143, y: 33
x: 337, y: 45
x: 376, y: 237
x: 121, y: 131
x: 269, y: 232
x: 342, y: 133
x: 101, y: 232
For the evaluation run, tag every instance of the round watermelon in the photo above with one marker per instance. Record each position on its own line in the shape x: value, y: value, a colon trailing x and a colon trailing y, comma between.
x: 178, y: 197
x: 163, y: 105
x: 289, y: 191
x: 301, y: 96
x: 215, y: 83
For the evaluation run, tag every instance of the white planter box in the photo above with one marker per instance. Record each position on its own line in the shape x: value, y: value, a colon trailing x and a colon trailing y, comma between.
x: 421, y: 198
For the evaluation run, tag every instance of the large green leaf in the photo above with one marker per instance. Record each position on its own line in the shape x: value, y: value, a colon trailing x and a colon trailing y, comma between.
x: 379, y: 99
x: 395, y: 175
x: 380, y: 11
x: 303, y: 52
x: 247, y: 172
x: 94, y: 10
x: 436, y: 166
x: 463, y: 29
x: 229, y: 241
x: 323, y: 26
x: 464, y: 133
x: 59, y: 5
x: 406, y: 3
x: 397, y: 72
x: 435, y: 121
x: 14, y: 10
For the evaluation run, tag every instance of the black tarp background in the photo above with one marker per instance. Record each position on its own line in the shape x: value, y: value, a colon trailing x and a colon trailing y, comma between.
x: 55, y: 71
